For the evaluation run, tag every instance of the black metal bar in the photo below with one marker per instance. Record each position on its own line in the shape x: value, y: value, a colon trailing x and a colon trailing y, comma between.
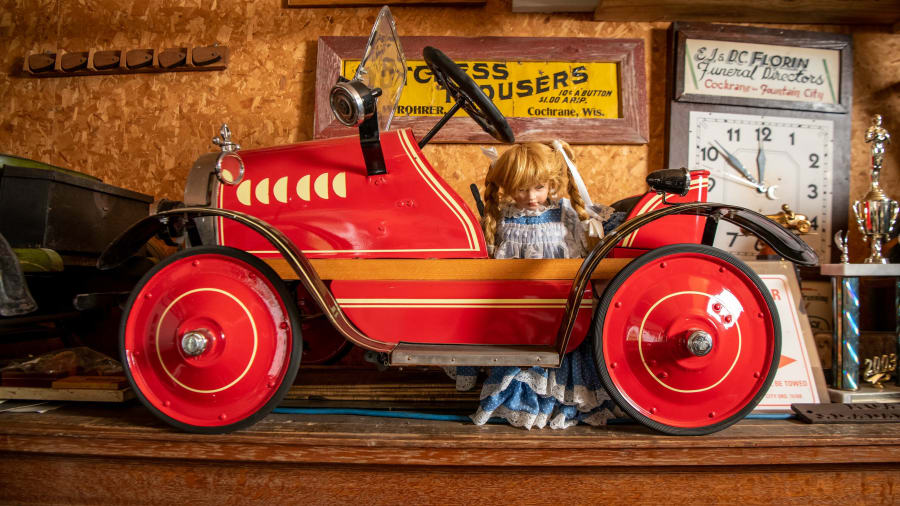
x: 370, y: 143
x: 478, y: 202
x: 438, y: 126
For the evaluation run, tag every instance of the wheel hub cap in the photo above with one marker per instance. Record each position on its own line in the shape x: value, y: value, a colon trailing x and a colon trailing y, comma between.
x: 194, y: 343
x: 699, y: 343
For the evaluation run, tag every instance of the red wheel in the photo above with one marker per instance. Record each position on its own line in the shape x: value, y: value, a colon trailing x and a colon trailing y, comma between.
x: 687, y: 339
x: 207, y: 341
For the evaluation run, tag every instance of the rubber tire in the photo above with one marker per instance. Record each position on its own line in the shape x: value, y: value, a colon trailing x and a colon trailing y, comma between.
x: 600, y: 361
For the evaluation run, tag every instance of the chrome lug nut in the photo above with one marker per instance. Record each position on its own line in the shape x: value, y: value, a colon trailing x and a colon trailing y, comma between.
x: 699, y: 343
x: 194, y: 343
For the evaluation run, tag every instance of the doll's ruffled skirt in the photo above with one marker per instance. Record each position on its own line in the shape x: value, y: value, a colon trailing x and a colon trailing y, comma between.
x: 538, y: 397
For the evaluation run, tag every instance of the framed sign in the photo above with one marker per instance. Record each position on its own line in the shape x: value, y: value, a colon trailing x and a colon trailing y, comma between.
x: 770, y: 68
x: 766, y: 112
x: 582, y: 90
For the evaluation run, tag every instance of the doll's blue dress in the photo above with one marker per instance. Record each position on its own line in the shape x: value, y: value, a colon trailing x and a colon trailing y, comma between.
x: 537, y: 396
x: 553, y: 231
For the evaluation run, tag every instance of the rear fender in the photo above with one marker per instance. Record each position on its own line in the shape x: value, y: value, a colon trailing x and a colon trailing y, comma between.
x: 133, y: 238
x: 786, y: 244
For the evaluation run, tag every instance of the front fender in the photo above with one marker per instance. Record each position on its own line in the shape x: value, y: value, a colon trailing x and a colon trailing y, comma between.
x: 132, y: 239
x: 786, y: 244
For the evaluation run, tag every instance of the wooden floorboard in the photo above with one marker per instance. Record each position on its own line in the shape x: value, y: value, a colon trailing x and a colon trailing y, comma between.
x: 118, y: 454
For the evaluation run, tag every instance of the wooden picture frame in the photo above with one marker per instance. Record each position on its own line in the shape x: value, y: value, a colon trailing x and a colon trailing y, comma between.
x: 379, y: 3
x: 801, y: 352
x: 631, y: 127
x: 747, y: 53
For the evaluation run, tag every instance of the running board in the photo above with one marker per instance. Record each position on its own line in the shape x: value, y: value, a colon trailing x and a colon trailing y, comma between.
x: 473, y: 355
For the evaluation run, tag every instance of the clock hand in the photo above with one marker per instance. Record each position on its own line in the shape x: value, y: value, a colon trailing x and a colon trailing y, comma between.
x: 736, y: 163
x: 769, y: 191
x: 761, y: 162
x: 742, y: 181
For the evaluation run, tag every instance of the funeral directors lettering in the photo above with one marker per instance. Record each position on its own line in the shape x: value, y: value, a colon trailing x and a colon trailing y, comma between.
x: 726, y: 68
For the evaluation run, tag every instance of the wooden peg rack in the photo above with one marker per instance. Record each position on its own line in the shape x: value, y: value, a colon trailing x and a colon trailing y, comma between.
x: 122, y: 61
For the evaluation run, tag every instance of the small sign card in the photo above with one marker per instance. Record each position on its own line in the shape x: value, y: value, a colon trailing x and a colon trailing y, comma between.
x: 796, y: 380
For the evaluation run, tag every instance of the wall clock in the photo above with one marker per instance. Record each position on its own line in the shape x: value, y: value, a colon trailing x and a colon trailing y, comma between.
x: 767, y: 113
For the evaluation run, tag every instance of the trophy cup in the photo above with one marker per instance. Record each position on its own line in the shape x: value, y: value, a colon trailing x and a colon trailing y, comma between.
x: 876, y: 213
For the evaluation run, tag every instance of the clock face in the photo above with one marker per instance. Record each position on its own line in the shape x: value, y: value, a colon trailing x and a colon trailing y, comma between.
x: 761, y: 162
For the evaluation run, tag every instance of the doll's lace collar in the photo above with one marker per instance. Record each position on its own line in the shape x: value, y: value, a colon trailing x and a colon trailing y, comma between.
x: 511, y: 211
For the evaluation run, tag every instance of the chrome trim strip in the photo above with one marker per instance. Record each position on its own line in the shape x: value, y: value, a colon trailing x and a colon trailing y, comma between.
x: 474, y: 355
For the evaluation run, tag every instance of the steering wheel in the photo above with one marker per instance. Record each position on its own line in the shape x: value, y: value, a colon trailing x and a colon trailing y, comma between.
x: 468, y: 95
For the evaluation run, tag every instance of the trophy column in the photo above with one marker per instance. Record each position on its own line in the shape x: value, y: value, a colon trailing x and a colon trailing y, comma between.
x: 845, y: 313
x: 875, y: 216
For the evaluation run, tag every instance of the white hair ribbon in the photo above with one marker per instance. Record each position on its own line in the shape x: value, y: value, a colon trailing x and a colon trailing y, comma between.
x: 576, y: 177
x: 491, y: 153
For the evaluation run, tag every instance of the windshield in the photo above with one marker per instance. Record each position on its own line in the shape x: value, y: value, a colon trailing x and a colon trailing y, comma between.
x: 383, y: 66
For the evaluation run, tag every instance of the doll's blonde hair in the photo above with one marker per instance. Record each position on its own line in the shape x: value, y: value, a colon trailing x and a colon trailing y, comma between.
x: 522, y: 166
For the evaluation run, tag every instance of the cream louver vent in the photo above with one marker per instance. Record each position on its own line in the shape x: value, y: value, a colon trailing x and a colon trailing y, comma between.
x: 306, y: 187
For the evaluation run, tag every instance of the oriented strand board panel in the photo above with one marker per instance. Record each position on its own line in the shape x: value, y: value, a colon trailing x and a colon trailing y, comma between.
x: 143, y: 132
x: 876, y: 90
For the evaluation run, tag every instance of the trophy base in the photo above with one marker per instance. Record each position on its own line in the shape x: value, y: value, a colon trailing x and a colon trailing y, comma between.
x: 890, y: 393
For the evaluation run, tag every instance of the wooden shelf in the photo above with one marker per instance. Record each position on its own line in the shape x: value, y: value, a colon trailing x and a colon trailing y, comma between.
x: 57, y: 457
x: 842, y: 12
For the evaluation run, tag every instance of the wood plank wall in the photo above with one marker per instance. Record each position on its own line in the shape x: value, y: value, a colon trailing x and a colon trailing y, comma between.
x: 143, y: 132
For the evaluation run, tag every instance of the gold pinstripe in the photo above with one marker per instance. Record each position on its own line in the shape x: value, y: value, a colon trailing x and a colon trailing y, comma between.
x: 653, y: 203
x: 647, y: 367
x: 252, y: 355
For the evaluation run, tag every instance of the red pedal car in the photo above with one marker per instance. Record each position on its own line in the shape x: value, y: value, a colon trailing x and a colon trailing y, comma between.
x: 686, y: 336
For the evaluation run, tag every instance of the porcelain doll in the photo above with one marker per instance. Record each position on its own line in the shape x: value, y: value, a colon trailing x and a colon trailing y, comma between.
x: 526, y: 217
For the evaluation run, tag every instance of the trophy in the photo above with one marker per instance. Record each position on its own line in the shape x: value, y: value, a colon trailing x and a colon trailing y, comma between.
x: 876, y: 213
x: 840, y: 240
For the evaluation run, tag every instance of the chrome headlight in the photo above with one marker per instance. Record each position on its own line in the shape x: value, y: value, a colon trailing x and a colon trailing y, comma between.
x: 352, y: 102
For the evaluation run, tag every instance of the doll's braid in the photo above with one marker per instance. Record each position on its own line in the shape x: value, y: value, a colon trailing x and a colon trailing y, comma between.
x: 575, y: 198
x: 491, y: 212
x: 571, y: 189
